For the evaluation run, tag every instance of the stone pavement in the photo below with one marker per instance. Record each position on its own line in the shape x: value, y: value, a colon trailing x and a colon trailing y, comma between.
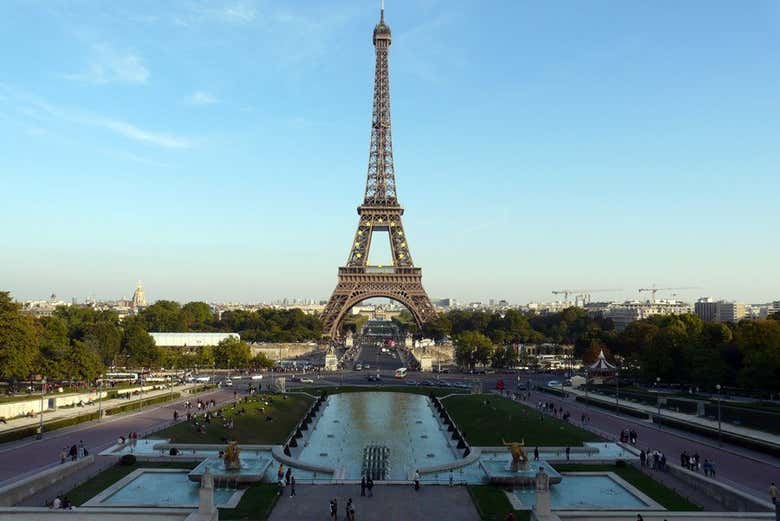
x: 743, y: 469
x: 390, y: 503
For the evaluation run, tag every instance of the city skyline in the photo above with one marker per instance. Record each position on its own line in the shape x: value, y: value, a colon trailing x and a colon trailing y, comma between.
x: 166, y: 144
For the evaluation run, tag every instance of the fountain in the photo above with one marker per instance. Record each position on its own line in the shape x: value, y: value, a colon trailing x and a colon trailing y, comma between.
x: 231, y: 459
x: 230, y: 467
x: 518, y: 472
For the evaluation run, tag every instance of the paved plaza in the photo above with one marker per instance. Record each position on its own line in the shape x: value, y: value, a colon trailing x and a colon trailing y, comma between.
x: 390, y: 503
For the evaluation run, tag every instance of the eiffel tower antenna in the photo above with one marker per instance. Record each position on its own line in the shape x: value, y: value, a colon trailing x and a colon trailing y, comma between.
x: 380, y: 212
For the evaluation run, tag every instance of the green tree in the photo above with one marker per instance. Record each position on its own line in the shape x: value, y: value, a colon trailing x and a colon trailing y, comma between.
x: 262, y: 361
x: 232, y: 352
x: 197, y: 316
x: 164, y: 316
x: 105, y: 339
x: 83, y: 363
x: 19, y: 342
x: 139, y: 348
x: 472, y: 348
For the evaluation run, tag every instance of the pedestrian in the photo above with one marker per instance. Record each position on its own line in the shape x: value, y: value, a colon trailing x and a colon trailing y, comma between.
x: 287, y: 476
x: 712, y: 469
x: 773, y: 493
x: 348, y: 509
x: 292, y: 485
x: 370, y: 485
x: 417, y: 480
x: 73, y: 452
x: 363, y: 485
x: 642, y: 458
x: 280, y: 472
x: 536, y: 453
x: 452, y: 477
x: 334, y: 509
x: 568, y: 453
x: 639, y: 517
x: 63, y: 455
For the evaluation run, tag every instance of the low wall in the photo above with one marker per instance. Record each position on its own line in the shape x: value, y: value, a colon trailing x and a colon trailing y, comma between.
x: 600, y: 515
x: 288, y: 351
x: 94, y: 514
x: 16, y: 492
x: 727, y: 496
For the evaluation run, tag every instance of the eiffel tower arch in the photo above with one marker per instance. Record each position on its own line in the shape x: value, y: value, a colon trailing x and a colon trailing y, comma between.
x: 380, y: 212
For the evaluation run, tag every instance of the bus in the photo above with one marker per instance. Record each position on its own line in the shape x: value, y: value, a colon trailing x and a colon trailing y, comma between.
x: 122, y: 377
x: 401, y: 372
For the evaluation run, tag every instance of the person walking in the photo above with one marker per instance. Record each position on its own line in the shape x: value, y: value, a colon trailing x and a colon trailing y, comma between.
x: 416, y: 480
x: 73, y: 452
x: 370, y: 485
x: 292, y: 485
x: 642, y: 458
x: 63, y: 455
x: 334, y: 509
x: 363, y: 485
x: 452, y: 477
x: 287, y: 476
x: 773, y: 493
x: 348, y: 510
x: 536, y: 453
x: 568, y: 453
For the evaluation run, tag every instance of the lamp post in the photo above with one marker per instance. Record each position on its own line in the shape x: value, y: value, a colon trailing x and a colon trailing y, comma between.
x: 617, y: 392
x: 718, y: 387
x: 100, y: 398
x: 43, y: 393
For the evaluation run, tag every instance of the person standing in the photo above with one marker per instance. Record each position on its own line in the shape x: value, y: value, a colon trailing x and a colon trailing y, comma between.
x: 773, y: 493
x: 536, y: 453
x: 452, y: 477
x: 363, y: 485
x: 287, y: 476
x: 348, y: 510
x: 63, y: 455
x: 370, y: 485
x: 642, y: 458
x: 416, y: 480
x: 292, y: 485
x: 334, y: 509
x: 568, y: 453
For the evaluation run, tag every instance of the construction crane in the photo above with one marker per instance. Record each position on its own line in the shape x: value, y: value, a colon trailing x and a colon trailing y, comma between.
x: 654, y: 290
x: 583, y: 292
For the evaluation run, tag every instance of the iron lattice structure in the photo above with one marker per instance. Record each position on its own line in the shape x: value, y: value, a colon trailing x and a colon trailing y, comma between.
x: 380, y: 212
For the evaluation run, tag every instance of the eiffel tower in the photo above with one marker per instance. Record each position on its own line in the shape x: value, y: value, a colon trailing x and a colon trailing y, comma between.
x: 380, y: 212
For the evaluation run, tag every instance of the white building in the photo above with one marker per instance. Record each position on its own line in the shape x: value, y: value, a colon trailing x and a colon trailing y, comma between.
x: 630, y: 311
x: 191, y: 340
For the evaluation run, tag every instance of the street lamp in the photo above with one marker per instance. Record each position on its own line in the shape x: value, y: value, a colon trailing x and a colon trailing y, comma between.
x: 100, y: 398
x: 43, y: 393
x: 617, y: 392
x: 718, y: 387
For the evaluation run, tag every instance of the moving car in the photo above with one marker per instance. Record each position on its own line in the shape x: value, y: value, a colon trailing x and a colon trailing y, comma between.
x: 307, y: 381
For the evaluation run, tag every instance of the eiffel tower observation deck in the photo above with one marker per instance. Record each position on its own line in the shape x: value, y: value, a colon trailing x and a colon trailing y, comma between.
x: 380, y: 212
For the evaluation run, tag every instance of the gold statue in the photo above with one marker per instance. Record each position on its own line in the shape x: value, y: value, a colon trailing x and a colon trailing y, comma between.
x: 519, y: 457
x: 231, y: 456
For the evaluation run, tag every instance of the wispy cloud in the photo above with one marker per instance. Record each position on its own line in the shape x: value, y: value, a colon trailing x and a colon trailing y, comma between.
x: 234, y: 12
x: 200, y: 97
x: 109, y: 65
x: 41, y: 110
x: 130, y: 131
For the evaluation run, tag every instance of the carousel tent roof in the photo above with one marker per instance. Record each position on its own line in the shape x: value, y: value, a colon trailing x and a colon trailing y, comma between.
x: 601, y: 364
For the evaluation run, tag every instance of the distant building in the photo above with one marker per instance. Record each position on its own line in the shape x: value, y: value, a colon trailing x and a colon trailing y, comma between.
x: 191, y: 340
x: 623, y: 314
x: 139, y: 298
x: 710, y: 310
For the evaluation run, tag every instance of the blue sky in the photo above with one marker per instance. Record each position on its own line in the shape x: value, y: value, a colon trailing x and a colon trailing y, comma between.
x: 217, y: 150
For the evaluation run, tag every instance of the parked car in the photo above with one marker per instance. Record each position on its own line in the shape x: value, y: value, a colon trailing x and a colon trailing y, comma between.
x: 307, y: 381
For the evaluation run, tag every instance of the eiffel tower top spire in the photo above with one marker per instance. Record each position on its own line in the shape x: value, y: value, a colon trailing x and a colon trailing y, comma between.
x: 380, y: 185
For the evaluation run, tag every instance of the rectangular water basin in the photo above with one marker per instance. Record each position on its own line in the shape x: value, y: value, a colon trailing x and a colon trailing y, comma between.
x: 590, y: 492
x: 166, y: 488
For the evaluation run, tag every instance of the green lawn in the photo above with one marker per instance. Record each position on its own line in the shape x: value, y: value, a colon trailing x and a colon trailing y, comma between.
x: 493, y: 505
x: 667, y: 497
x: 111, y: 475
x: 502, y: 419
x: 255, y: 505
x: 413, y: 389
x: 251, y: 426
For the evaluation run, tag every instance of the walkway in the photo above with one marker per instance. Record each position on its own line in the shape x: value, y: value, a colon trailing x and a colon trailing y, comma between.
x: 390, y: 503
x: 63, y: 413
x: 743, y: 469
x: 689, y: 418
x: 25, y: 456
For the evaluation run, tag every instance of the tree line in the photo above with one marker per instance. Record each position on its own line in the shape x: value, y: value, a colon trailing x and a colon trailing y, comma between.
x: 80, y: 342
x: 675, y: 348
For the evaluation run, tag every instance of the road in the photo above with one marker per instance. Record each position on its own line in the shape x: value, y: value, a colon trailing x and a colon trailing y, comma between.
x: 385, y: 362
x: 23, y: 456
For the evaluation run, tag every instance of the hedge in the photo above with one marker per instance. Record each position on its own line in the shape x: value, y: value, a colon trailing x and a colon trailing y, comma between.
x: 752, y: 418
x: 709, y: 432
x: 551, y: 390
x: 684, y: 406
x: 609, y: 406
x: 32, y: 430
x: 141, y: 404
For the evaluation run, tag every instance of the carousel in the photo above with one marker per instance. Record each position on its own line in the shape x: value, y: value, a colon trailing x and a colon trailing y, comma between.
x: 601, y: 371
